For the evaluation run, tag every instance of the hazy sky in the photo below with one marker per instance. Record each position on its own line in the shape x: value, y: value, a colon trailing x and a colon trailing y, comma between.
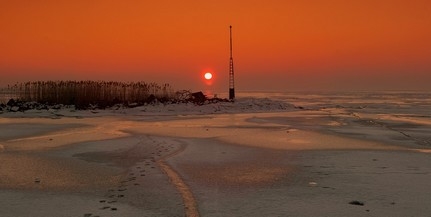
x: 278, y: 44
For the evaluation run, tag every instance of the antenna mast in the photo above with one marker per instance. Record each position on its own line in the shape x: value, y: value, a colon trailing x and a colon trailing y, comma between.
x: 231, y: 79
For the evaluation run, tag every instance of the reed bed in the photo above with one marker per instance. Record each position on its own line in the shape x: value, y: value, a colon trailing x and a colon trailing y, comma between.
x: 83, y: 94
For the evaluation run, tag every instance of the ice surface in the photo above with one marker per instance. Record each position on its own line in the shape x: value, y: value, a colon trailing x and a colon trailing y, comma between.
x: 266, y: 154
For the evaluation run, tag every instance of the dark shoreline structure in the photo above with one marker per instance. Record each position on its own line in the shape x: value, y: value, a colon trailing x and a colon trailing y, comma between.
x: 44, y: 95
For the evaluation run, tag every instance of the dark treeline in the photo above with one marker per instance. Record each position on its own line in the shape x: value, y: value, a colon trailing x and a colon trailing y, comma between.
x: 82, y: 94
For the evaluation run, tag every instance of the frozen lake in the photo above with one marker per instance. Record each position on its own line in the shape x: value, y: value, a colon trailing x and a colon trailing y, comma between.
x: 267, y: 154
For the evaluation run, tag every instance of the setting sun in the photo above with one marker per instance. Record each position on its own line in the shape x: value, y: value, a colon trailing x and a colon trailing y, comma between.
x: 208, y: 75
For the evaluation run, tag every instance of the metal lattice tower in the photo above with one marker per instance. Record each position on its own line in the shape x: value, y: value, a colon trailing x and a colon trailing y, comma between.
x: 231, y: 78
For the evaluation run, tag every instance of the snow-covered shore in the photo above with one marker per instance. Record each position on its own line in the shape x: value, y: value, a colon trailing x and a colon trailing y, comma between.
x: 243, y: 105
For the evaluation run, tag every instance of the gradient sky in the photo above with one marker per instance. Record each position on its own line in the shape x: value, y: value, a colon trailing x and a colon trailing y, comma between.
x: 278, y: 44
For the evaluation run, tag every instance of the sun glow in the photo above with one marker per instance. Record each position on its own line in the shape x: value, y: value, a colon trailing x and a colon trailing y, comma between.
x: 208, y: 75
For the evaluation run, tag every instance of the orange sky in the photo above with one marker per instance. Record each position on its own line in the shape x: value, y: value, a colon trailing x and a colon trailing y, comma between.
x: 278, y: 44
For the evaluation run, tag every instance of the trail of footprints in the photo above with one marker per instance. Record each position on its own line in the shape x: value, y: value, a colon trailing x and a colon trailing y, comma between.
x: 134, y: 178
